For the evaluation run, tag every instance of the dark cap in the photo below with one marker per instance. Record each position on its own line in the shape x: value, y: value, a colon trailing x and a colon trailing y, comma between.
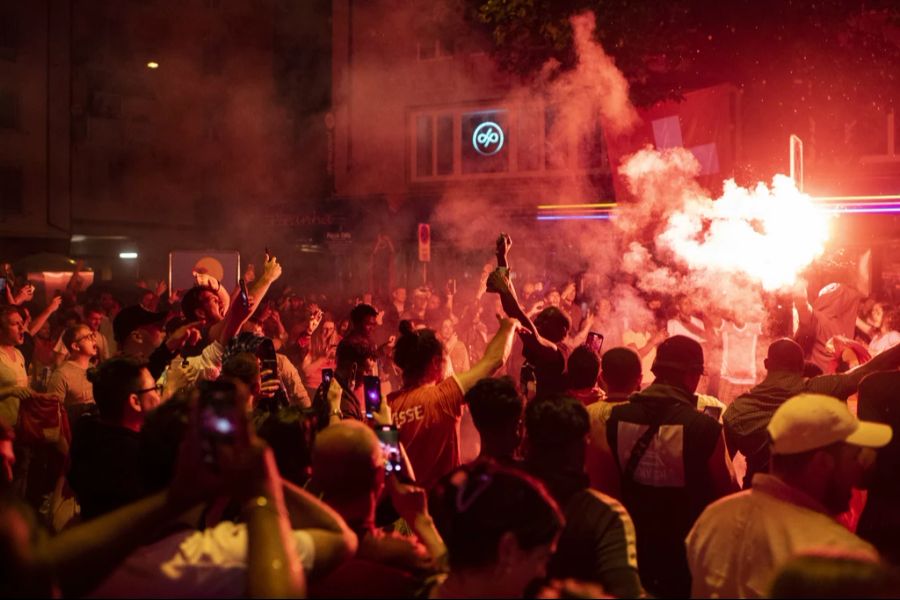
x: 679, y: 352
x: 132, y: 318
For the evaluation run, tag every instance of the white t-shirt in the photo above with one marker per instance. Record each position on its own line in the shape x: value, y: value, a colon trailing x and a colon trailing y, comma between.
x: 12, y: 374
x: 739, y: 352
x: 192, y: 564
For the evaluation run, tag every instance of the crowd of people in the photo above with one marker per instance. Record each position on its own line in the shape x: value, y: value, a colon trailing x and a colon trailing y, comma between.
x: 492, y: 440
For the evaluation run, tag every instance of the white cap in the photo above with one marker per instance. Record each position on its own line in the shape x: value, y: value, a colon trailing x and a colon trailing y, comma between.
x: 810, y: 421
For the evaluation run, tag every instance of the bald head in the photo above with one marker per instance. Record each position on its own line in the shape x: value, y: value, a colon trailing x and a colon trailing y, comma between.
x: 347, y: 462
x: 785, y: 355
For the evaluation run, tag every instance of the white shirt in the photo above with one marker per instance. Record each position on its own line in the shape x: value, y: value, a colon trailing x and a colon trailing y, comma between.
x: 739, y: 352
x: 12, y: 374
x: 737, y: 545
x: 192, y: 564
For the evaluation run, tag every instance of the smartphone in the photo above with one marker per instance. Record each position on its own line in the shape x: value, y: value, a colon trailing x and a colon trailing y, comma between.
x: 594, y: 341
x: 713, y: 411
x: 389, y: 438
x: 372, y: 390
x: 245, y: 297
x: 219, y: 417
x: 327, y: 376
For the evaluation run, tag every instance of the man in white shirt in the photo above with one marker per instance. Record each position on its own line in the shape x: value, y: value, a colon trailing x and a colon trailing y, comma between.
x: 818, y: 451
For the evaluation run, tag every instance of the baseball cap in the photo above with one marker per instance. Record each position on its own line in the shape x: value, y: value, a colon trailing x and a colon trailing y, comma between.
x: 679, y: 352
x: 134, y: 317
x: 809, y: 421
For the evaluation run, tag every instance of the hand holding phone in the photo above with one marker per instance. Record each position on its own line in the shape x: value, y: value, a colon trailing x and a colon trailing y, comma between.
x: 504, y: 243
x: 595, y: 342
x: 245, y: 296
x: 327, y: 376
x: 372, y: 391
x: 389, y: 438
x: 221, y: 422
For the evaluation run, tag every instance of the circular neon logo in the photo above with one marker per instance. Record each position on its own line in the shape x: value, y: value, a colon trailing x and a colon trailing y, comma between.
x: 487, y: 139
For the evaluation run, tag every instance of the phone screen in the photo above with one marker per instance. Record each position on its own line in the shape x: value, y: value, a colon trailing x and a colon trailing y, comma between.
x: 595, y: 341
x: 245, y: 297
x: 372, y: 390
x: 219, y: 417
x: 327, y: 375
x: 389, y: 438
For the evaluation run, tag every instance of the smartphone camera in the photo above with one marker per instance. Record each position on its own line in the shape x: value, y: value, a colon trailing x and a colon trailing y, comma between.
x: 372, y: 391
x: 389, y: 438
x: 219, y: 417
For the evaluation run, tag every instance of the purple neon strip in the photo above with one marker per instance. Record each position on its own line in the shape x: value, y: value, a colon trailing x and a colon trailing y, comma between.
x: 573, y: 217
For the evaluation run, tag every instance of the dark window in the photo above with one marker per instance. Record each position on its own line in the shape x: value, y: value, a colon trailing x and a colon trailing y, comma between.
x: 9, y: 110
x: 11, y: 201
x: 485, y: 147
x: 529, y: 140
x: 212, y: 59
x: 424, y: 150
x: 445, y: 145
x: 9, y: 32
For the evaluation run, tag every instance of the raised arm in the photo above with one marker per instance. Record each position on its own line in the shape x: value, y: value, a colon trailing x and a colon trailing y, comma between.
x: 39, y: 320
x: 886, y: 361
x: 495, y: 355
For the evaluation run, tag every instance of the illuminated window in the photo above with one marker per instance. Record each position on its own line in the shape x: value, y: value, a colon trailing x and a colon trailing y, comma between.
x: 501, y: 141
x: 484, y: 142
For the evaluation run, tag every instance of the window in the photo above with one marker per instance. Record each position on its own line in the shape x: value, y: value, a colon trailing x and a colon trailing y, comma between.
x: 431, y: 48
x: 9, y: 32
x: 212, y: 58
x: 485, y: 148
x: 11, y: 201
x: 9, y: 110
x: 424, y: 146
x: 514, y: 140
x: 444, y: 145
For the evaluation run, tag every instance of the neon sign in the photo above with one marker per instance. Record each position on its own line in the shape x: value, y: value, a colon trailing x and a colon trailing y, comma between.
x: 487, y: 139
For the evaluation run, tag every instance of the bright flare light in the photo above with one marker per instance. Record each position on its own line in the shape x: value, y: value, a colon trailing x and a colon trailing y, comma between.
x: 768, y: 234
